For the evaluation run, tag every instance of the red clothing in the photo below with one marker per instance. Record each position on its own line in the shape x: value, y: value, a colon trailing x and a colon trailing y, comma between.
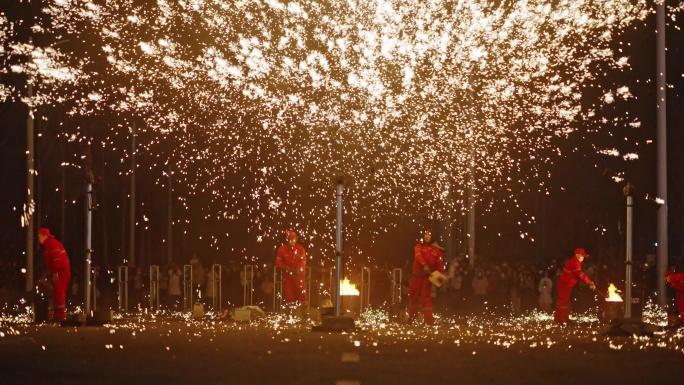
x: 572, y: 273
x: 677, y: 283
x: 430, y: 255
x: 294, y: 285
x: 57, y: 261
x: 419, y: 285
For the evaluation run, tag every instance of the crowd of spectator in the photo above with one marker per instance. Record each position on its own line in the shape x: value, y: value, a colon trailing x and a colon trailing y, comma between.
x: 504, y: 288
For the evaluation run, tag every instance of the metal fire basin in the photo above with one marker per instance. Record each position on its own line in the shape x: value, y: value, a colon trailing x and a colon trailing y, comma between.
x: 350, y: 304
x: 612, y: 310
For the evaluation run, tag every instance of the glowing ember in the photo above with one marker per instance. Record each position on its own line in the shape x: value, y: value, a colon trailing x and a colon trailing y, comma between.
x: 613, y: 296
x: 347, y: 288
x: 224, y: 93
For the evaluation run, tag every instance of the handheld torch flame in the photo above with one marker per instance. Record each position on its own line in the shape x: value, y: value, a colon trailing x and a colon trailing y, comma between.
x: 347, y: 288
x: 613, y: 296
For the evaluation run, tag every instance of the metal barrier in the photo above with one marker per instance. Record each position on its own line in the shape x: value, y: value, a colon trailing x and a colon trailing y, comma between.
x: 308, y: 284
x: 216, y: 286
x: 187, y: 288
x: 331, y: 287
x: 396, y: 285
x: 93, y: 286
x: 364, y: 291
x: 277, y: 289
x: 154, y: 288
x: 248, y: 285
x: 397, y: 309
x: 123, y: 288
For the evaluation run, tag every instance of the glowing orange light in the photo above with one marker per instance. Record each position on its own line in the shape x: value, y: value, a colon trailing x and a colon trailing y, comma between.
x: 613, y: 296
x: 347, y: 288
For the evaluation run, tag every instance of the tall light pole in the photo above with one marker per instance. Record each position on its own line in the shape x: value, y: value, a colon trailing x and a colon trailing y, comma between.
x: 169, y: 224
x: 340, y: 180
x: 628, y: 191
x: 470, y: 198
x: 131, y: 229
x: 661, y: 118
x: 90, y: 179
x: 30, y: 171
x: 470, y: 204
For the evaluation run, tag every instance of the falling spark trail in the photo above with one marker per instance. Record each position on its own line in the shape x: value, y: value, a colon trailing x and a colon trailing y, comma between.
x: 257, y: 103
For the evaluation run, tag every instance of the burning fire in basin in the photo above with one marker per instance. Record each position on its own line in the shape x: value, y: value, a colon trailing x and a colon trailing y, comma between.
x: 613, y: 295
x: 614, y: 305
x: 347, y: 288
x: 349, y: 297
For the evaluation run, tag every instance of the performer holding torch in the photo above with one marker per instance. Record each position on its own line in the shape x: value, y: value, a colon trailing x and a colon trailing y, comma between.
x: 572, y: 273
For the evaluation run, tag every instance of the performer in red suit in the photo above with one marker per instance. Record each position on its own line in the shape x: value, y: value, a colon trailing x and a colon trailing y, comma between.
x: 676, y: 281
x: 57, y: 262
x: 572, y: 273
x: 291, y: 260
x: 427, y: 258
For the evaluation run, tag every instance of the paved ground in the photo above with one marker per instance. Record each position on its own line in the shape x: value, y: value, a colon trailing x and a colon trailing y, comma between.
x: 464, y: 350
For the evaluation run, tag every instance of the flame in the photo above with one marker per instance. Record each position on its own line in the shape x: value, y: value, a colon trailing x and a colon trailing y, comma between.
x: 613, y: 296
x: 347, y: 288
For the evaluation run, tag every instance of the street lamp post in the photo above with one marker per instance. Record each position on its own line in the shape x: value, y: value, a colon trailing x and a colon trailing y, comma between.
x: 30, y: 170
x: 131, y: 228
x: 340, y: 179
x: 90, y: 179
x: 338, y: 322
x: 628, y: 191
x: 169, y: 222
x: 661, y: 120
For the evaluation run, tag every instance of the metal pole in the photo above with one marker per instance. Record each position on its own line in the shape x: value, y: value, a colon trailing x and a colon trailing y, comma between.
x: 93, y: 279
x: 216, y: 275
x: 277, y: 289
x: 471, y: 214
x: 90, y: 178
x: 123, y: 289
x: 396, y: 285
x: 187, y: 288
x: 28, y: 210
x: 131, y: 230
x: 169, y: 229
x: 154, y: 288
x: 471, y: 177
x: 248, y: 288
x: 338, y: 247
x: 662, y: 249
x: 364, y: 293
x: 628, y: 191
x: 308, y: 285
x: 332, y: 282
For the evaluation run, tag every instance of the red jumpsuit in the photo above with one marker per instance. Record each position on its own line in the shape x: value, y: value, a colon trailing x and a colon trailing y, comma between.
x: 677, y: 283
x: 419, y: 285
x: 294, y: 285
x: 572, y: 273
x: 57, y: 262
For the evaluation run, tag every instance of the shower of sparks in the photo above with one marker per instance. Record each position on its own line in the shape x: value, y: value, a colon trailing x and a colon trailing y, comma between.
x: 374, y: 329
x: 255, y: 105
